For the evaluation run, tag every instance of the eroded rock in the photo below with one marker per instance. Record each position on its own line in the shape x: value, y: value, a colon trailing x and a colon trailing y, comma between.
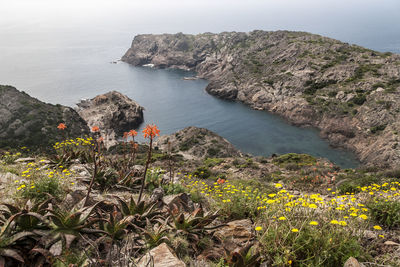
x: 113, y: 112
x: 161, y: 256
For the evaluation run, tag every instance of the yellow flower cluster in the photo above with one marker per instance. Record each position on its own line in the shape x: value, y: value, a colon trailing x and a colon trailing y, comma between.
x: 74, y: 143
x: 34, y: 172
x: 340, y: 210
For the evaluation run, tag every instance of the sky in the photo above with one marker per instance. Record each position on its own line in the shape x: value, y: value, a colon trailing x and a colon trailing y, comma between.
x: 373, y: 23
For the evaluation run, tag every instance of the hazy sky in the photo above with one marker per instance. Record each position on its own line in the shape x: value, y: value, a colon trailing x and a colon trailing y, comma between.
x: 347, y: 20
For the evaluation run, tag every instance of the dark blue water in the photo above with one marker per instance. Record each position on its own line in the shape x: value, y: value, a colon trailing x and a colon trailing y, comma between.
x: 60, y: 52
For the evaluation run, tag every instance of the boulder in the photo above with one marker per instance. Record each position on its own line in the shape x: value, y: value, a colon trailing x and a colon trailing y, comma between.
x: 352, y: 262
x: 181, y: 201
x: 113, y: 112
x: 235, y: 234
x: 161, y: 256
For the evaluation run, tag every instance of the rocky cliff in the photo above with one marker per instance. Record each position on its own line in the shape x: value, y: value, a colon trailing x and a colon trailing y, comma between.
x: 352, y: 94
x: 26, y: 121
x: 113, y: 112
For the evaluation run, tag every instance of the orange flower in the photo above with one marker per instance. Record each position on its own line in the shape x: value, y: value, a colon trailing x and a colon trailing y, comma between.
x: 132, y: 133
x: 151, y: 131
x: 220, y: 181
x: 62, y: 126
x: 95, y: 129
x: 125, y: 135
x: 100, y: 139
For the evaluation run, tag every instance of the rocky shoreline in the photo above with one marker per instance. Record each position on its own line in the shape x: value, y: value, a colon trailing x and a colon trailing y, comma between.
x: 348, y: 92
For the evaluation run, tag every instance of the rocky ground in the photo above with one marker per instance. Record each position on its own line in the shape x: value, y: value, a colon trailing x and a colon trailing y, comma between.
x: 300, y: 176
x: 350, y: 93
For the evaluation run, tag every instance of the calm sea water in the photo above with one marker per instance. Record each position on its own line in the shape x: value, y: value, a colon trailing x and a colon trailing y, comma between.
x: 62, y: 53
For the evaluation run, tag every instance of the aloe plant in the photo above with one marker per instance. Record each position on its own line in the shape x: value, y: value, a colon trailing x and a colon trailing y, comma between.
x: 12, y: 243
x: 67, y: 225
x: 195, y: 225
x: 138, y: 213
x: 243, y: 257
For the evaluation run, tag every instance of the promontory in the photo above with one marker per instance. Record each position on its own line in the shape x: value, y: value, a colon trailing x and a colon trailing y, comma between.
x: 350, y: 93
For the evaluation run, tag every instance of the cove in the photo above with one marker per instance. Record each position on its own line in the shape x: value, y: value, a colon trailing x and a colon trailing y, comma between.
x: 65, y: 75
x: 173, y: 103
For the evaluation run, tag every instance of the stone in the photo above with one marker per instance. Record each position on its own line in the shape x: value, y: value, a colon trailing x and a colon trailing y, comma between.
x: 352, y: 262
x: 180, y: 201
x: 157, y: 194
x: 391, y: 243
x: 161, y: 256
x: 197, y: 143
x: 340, y: 95
x: 379, y: 89
x: 113, y: 112
x: 235, y: 234
x: 25, y: 160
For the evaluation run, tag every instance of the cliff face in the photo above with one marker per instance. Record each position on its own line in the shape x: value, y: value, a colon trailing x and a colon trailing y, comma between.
x: 350, y: 93
x: 113, y: 112
x: 26, y: 121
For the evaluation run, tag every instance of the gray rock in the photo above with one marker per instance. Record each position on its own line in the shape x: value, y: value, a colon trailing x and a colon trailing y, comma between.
x: 352, y: 262
x: 181, y: 201
x: 161, y: 256
x: 157, y: 194
x: 113, y: 112
x: 25, y: 160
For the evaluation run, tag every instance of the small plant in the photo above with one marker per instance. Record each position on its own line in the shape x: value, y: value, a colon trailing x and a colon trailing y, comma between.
x: 385, y: 212
x: 245, y: 256
x: 10, y: 158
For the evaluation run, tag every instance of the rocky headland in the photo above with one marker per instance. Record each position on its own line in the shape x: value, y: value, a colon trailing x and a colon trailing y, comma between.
x: 113, y: 112
x: 350, y: 93
x: 27, y: 121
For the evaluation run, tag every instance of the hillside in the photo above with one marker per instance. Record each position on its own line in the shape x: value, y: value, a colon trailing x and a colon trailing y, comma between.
x: 350, y: 93
x: 27, y: 121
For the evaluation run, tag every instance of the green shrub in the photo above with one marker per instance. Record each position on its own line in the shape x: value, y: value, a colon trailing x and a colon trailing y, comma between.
x: 300, y: 159
x: 309, y: 247
x: 42, y: 187
x: 202, y: 172
x: 385, y: 212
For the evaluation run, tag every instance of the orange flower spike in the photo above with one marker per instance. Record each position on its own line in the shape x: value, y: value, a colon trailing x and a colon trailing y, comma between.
x: 100, y: 139
x: 151, y: 131
x: 132, y: 133
x: 95, y: 129
x: 62, y: 126
x: 125, y: 135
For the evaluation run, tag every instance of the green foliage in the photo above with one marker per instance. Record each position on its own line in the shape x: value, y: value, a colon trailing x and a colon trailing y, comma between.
x: 173, y: 188
x: 385, y: 212
x: 43, y: 188
x: 213, y: 151
x: 246, y: 256
x: 202, y: 172
x: 378, y: 128
x: 154, y: 178
x: 299, y: 159
x: 312, y: 86
x: 9, y: 158
x: 211, y: 162
x: 309, y: 246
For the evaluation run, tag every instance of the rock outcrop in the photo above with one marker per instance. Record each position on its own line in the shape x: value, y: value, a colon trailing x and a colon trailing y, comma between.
x: 26, y: 121
x: 113, y: 112
x: 352, y: 94
x: 197, y: 143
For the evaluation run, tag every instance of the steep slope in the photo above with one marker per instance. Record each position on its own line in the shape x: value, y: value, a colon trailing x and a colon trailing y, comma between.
x: 26, y: 121
x: 350, y: 93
